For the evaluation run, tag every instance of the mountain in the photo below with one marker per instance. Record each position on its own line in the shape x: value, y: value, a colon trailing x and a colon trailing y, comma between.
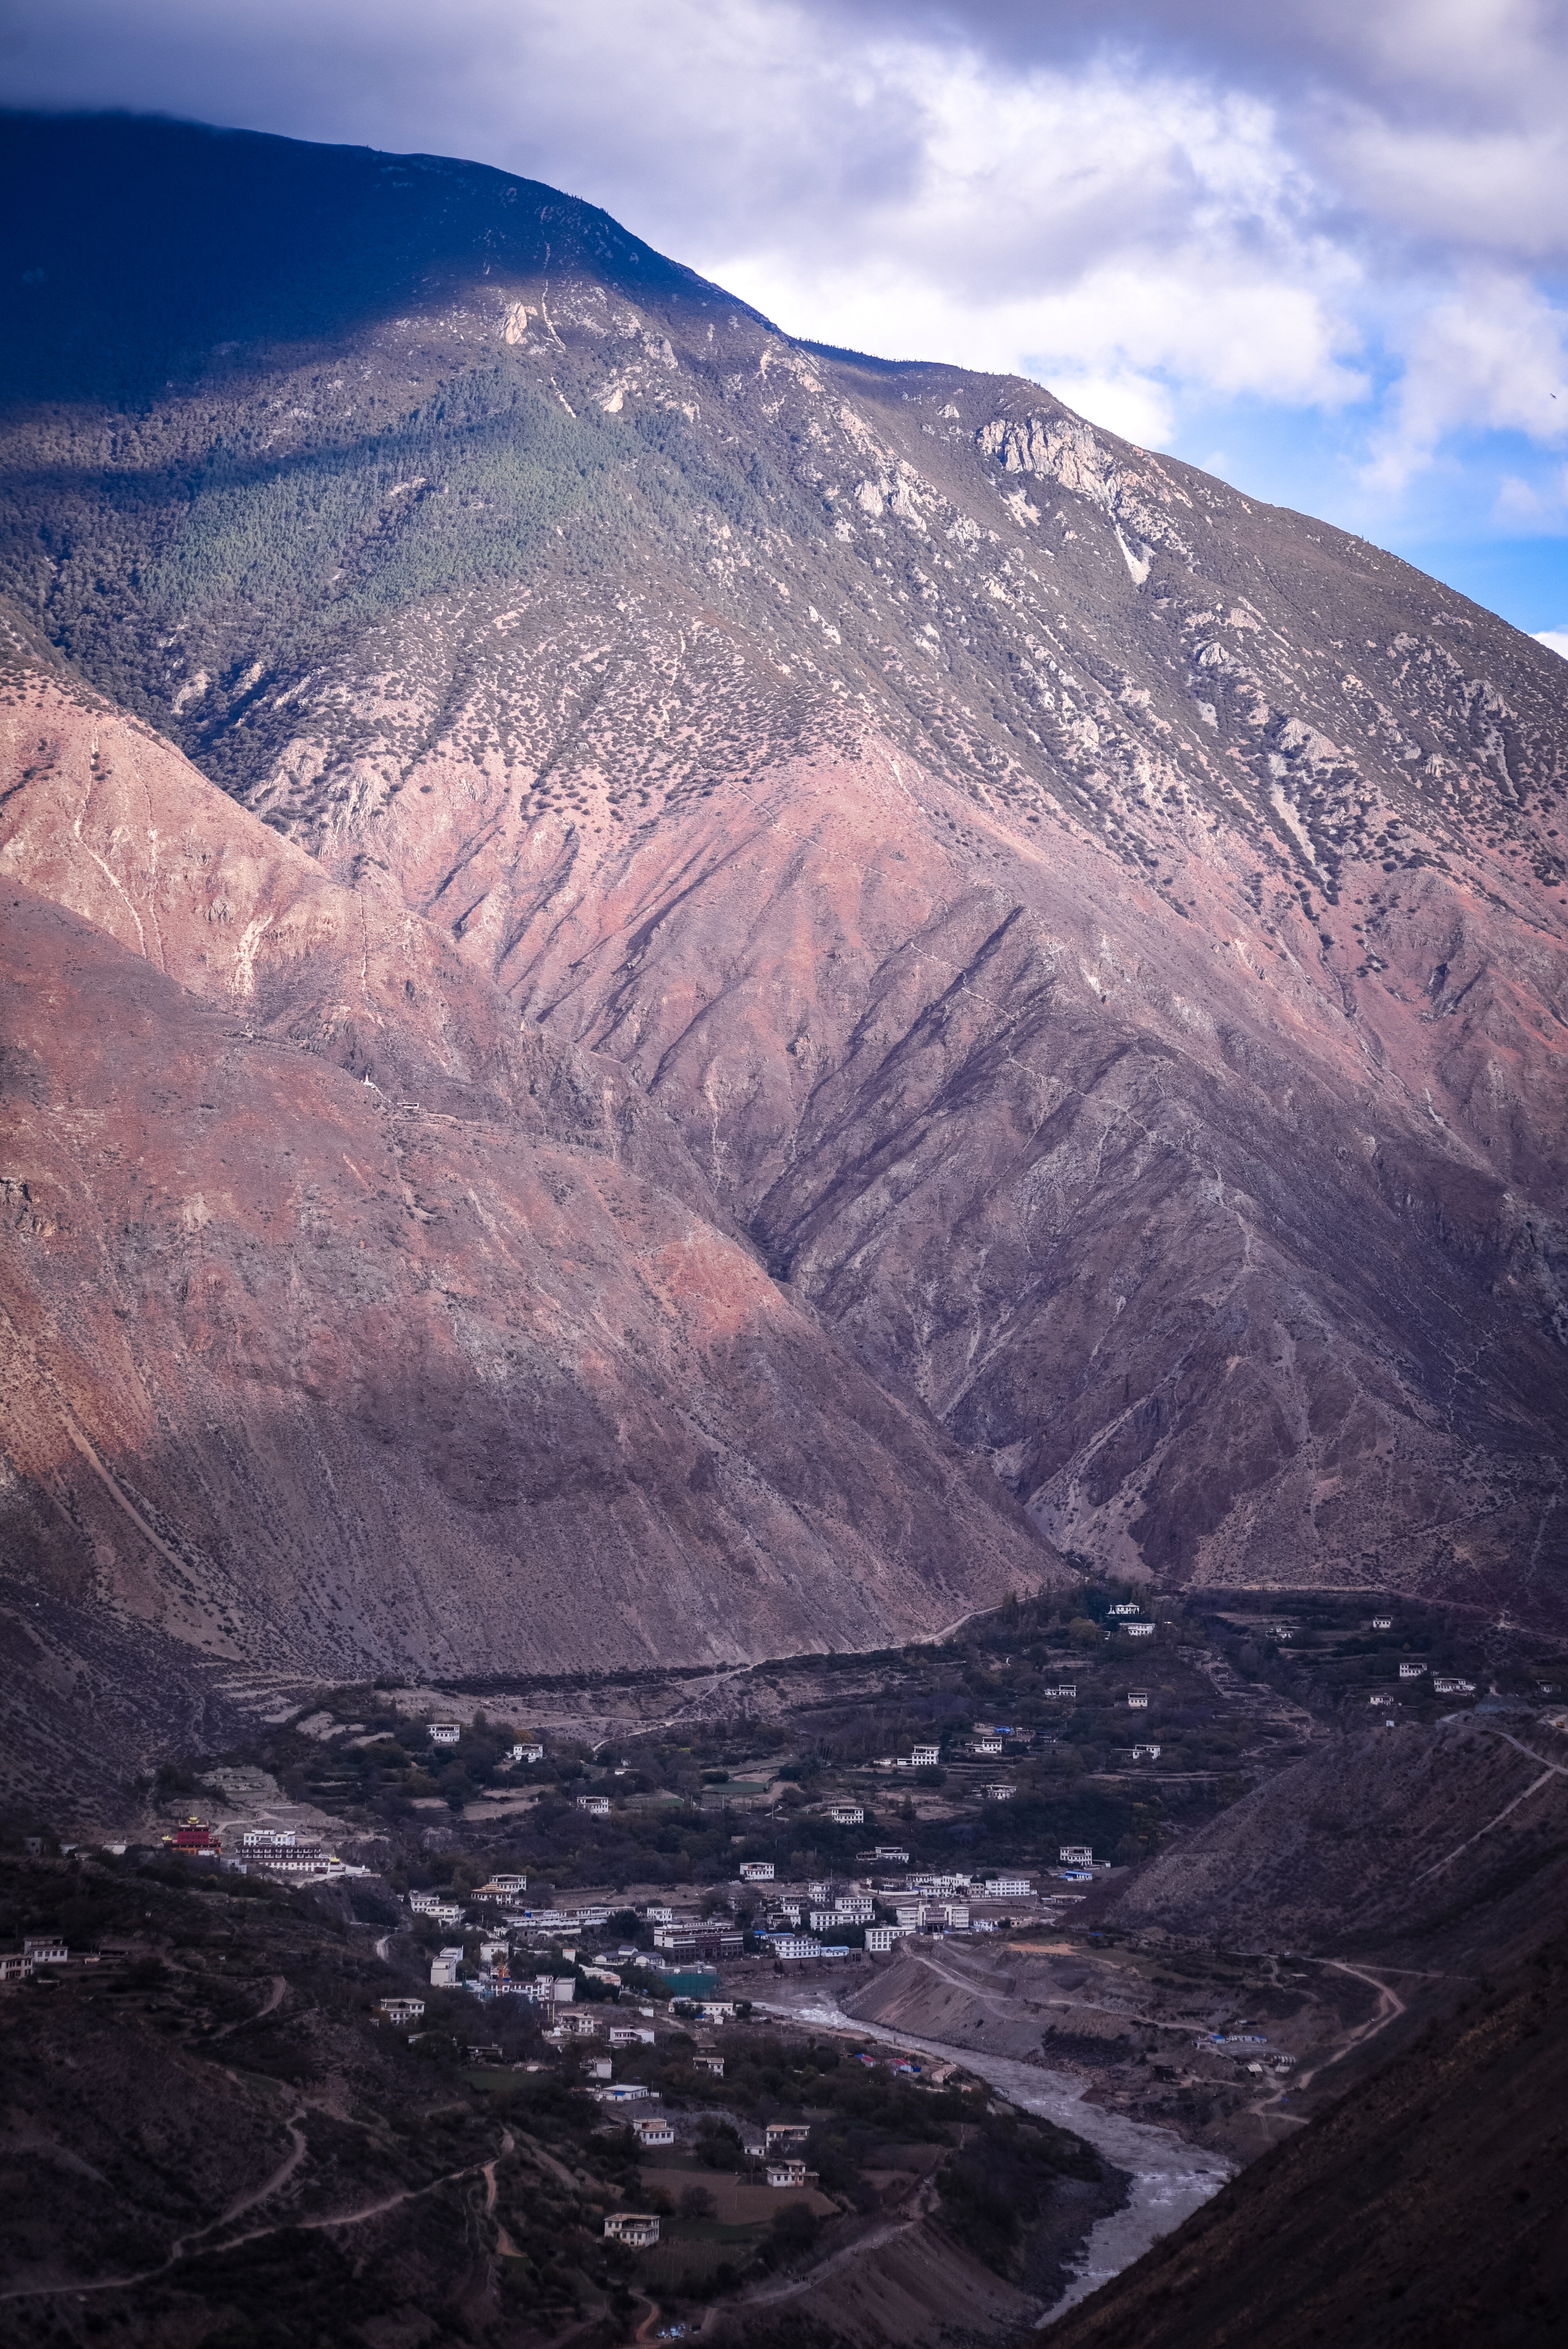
x: 1084, y: 949
x: 1423, y: 2211
x: 350, y: 1326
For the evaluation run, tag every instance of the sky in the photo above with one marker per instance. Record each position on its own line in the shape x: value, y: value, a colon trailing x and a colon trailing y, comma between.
x: 1319, y: 247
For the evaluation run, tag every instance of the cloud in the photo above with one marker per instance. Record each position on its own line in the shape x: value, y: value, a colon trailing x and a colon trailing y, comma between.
x: 1494, y: 357
x: 1322, y: 226
x: 1554, y: 639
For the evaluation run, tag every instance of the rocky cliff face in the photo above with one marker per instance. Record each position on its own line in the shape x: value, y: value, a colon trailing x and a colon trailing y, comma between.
x: 1098, y: 942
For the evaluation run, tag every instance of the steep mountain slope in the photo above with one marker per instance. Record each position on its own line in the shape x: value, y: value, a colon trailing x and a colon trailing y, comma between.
x: 1424, y: 2211
x: 345, y: 1326
x: 1102, y: 939
x: 1440, y: 1847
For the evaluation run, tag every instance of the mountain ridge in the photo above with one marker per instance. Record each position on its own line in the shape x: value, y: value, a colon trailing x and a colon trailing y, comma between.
x: 1123, y: 1008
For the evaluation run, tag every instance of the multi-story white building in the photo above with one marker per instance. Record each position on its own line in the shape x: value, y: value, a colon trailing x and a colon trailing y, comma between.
x: 400, y: 2010
x: 638, y: 2230
x: 757, y: 1871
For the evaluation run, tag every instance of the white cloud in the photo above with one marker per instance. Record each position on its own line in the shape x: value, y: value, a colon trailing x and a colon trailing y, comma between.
x: 1181, y: 213
x: 1554, y: 639
x: 1494, y: 357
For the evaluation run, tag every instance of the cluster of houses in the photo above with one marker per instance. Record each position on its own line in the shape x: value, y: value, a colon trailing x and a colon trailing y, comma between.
x: 262, y: 1851
x: 812, y: 1922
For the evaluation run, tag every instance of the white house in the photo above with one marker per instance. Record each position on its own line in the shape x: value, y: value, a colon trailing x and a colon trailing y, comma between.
x: 997, y: 1794
x: 847, y: 1815
x: 880, y: 1938
x: 502, y: 1887
x: 893, y: 1851
x: 630, y: 2034
x: 45, y: 1949
x: 528, y: 1751
x: 444, y: 1969
x: 986, y: 1745
x: 1448, y: 1686
x: 623, y: 2092
x: 785, y: 2173
x: 653, y: 2130
x: 1382, y: 1622
x: 597, y: 1805
x: 925, y: 1757
x: 1140, y: 1630
x: 1077, y: 1855
x: 1412, y: 1671
x: 1009, y: 1887
x: 757, y: 1871
x: 1064, y: 1688
x: 638, y: 2230
x: 794, y: 1945
x: 1139, y: 1700
x: 1146, y: 1752
x: 443, y: 1732
x: 713, y: 2063
x: 1129, y: 1608
x: 1379, y: 1700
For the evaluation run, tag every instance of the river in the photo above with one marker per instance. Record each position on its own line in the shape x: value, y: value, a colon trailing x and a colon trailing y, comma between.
x: 1171, y: 2178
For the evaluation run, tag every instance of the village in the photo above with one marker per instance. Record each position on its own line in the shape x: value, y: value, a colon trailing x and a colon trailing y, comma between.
x: 752, y: 1965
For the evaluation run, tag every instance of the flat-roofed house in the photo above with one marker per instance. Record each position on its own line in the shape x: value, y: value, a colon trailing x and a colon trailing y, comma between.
x: 638, y: 2230
x: 400, y: 2010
